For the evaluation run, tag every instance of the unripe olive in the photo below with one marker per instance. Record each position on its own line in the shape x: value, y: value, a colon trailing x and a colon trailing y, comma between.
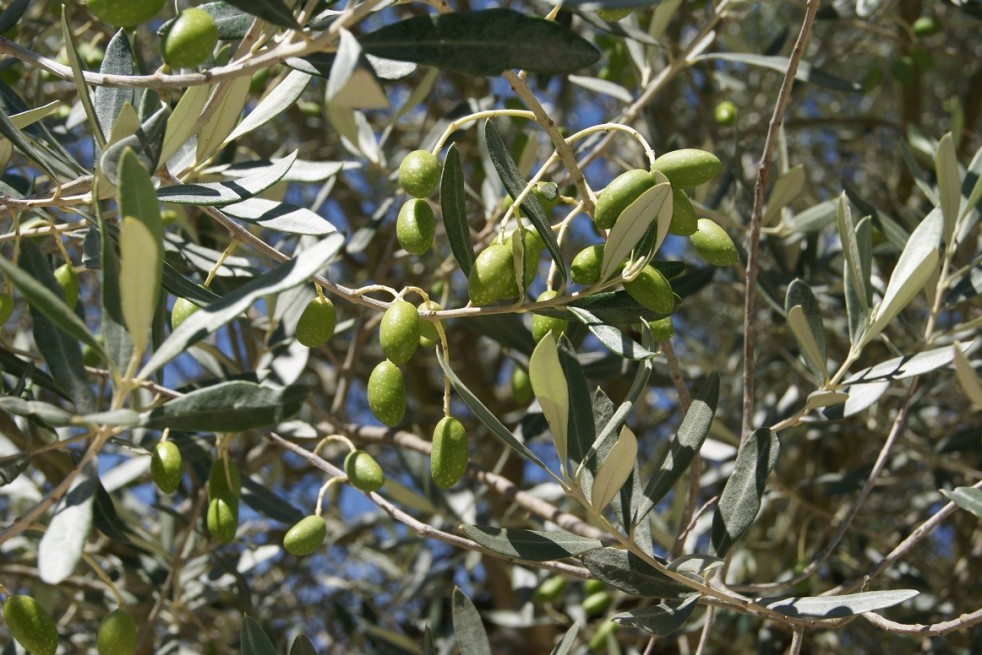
x: 317, y: 322
x: 597, y: 602
x: 533, y: 245
x: 492, y: 277
x: 684, y: 219
x: 305, y: 536
x: 387, y: 393
x: 713, y: 244
x: 926, y: 26
x: 223, y: 519
x: 117, y: 634
x: 68, y: 281
x: 6, y: 307
x: 599, y: 638
x: 124, y: 13
x: 592, y: 586
x: 652, y: 289
x: 614, y: 14
x: 363, y: 471
x: 521, y: 386
x: 428, y: 334
x: 542, y: 325
x: 166, y: 466
x: 725, y: 113
x: 621, y: 192
x: 419, y: 173
x: 662, y: 329
x: 224, y: 481
x: 399, y: 332
x: 30, y: 625
x: 585, y: 268
x: 688, y: 167
x: 180, y: 311
x: 190, y: 40
x: 549, y: 589
x: 415, y: 226
x: 448, y: 459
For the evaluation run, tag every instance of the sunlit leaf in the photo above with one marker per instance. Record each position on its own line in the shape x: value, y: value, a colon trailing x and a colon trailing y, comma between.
x: 549, y: 386
x: 615, y: 469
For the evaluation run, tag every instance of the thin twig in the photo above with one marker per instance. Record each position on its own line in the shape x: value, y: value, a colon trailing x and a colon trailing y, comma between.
x: 797, y: 639
x: 749, y: 328
x: 932, y: 630
x: 707, y: 627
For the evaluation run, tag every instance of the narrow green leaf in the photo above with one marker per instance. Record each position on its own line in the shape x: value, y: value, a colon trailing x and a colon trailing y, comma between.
x: 352, y: 82
x: 662, y: 619
x: 302, y: 646
x: 627, y: 572
x: 283, y: 96
x: 38, y: 155
x: 906, y: 366
x: 514, y: 183
x: 268, y: 503
x: 146, y: 143
x: 806, y: 72
x: 47, y: 413
x: 835, y: 607
x: 108, y: 100
x: 949, y: 185
x: 785, y: 189
x: 684, y: 447
x: 485, y: 416
x: 580, y: 428
x: 182, y: 123
x: 860, y: 398
x: 806, y: 340
x: 821, y: 398
x: 207, y: 320
x: 454, y: 212
x: 12, y: 14
x: 82, y: 89
x: 565, y: 646
x: 468, y: 627
x: 968, y: 498
x: 915, y: 266
x: 696, y: 566
x: 280, y: 216
x: 616, y: 307
x: 428, y: 647
x: 483, y: 43
x: 655, y: 204
x: 552, y: 392
x: 615, y: 469
x: 232, y: 406
x: 254, y: 640
x: 225, y: 104
x: 850, y: 251
x: 807, y: 326
x: 531, y: 545
x: 855, y: 314
x: 967, y: 377
x: 615, y: 340
x: 271, y: 11
x: 139, y: 278
x: 740, y: 500
x: 216, y: 194
x: 64, y: 539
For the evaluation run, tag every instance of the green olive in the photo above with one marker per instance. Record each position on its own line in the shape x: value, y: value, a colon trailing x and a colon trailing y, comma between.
x: 585, y: 268
x: 30, y: 625
x: 592, y: 586
x: 492, y: 276
x: 684, y: 219
x: 68, y: 281
x: 596, y: 603
x: 448, y: 460
x: 521, y: 386
x: 224, y: 480
x: 550, y: 589
x: 600, y: 637
x: 428, y: 334
x: 926, y: 26
x: 713, y: 244
x: 317, y: 322
x: 614, y: 14
x: 190, y: 40
x: 223, y: 520
x: 399, y: 332
x: 166, y: 466
x: 652, y: 290
x: 181, y: 310
x: 619, y: 194
x: 305, y: 536
x: 387, y: 393
x: 415, y: 226
x: 117, y: 634
x: 419, y: 173
x: 725, y: 113
x: 363, y: 471
x: 543, y: 325
x: 688, y: 168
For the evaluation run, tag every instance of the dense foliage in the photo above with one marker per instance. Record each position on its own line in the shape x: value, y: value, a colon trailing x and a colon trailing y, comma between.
x: 525, y: 328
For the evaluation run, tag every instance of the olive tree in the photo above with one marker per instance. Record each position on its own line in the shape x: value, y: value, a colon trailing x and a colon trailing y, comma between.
x: 625, y: 327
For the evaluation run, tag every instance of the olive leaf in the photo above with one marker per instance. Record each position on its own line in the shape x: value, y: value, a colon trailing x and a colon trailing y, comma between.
x: 552, y: 392
x: 968, y: 498
x: 254, y: 639
x: 652, y: 206
x: 833, y: 607
x: 468, y: 629
x: 949, y: 185
x: 217, y: 194
x: 662, y: 619
x: 615, y: 469
x: 64, y: 539
x: 531, y: 545
x: 108, y: 100
x: 454, y: 212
